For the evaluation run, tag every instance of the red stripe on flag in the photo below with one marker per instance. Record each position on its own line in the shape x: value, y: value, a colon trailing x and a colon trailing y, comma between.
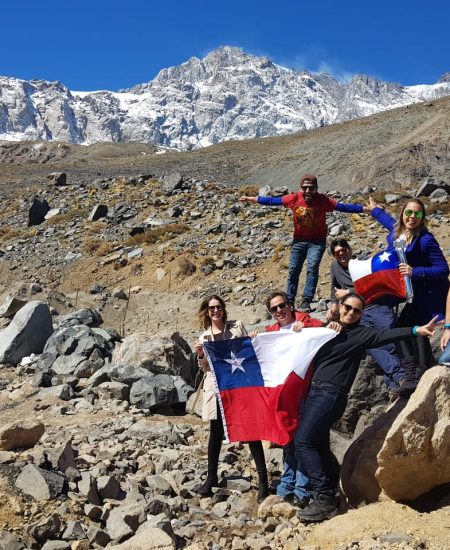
x: 261, y: 413
x: 388, y: 282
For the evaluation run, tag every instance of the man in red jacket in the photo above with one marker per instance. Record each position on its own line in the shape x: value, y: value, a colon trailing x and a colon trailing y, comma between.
x: 293, y: 485
x: 309, y: 210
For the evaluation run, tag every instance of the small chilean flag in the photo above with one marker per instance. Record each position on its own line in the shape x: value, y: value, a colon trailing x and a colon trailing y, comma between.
x: 260, y: 381
x: 378, y: 276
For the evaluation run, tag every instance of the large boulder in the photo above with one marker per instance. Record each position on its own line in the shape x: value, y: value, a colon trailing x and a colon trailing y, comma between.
x: 27, y: 333
x: 20, y: 435
x: 158, y: 355
x: 360, y: 463
x: 149, y: 393
x: 415, y: 455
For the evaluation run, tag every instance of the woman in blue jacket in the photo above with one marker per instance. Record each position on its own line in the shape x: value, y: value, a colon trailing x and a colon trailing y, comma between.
x: 427, y: 268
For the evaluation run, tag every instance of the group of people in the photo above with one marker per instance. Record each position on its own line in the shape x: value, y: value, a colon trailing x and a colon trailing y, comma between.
x: 400, y: 346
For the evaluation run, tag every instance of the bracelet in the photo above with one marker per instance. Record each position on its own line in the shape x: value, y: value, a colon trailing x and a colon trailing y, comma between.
x: 447, y: 325
x: 414, y: 331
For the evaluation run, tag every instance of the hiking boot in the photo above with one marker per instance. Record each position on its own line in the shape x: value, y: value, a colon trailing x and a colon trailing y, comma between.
x: 305, y: 305
x: 322, y: 507
x: 205, y: 490
x: 413, y: 373
x: 300, y: 502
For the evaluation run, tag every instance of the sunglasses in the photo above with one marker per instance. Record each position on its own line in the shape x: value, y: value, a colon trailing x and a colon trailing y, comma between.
x: 274, y: 309
x: 340, y: 251
x: 408, y: 212
x: 349, y: 308
x: 308, y: 187
x: 215, y: 308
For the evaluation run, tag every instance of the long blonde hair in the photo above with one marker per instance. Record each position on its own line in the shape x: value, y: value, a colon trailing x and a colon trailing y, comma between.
x: 400, y: 228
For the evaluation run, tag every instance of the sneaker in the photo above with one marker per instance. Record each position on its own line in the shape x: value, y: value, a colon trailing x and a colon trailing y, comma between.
x: 305, y: 305
x: 322, y: 507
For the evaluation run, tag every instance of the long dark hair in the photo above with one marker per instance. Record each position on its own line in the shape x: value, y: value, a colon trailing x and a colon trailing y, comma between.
x: 203, y: 317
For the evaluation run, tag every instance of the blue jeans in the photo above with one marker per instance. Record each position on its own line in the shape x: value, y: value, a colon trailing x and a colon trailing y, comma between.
x: 325, y: 404
x: 382, y: 317
x: 293, y: 481
x: 312, y: 251
x: 445, y: 355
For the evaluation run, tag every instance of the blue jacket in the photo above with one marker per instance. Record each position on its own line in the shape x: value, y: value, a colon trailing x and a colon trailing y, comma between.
x: 429, y: 268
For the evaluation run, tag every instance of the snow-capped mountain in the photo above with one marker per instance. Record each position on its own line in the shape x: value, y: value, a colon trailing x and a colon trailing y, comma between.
x: 226, y: 95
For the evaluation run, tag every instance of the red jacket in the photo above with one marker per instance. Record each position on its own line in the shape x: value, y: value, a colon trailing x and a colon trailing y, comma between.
x: 299, y: 316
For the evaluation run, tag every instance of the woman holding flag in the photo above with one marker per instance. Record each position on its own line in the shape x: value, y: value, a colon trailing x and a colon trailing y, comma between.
x: 212, y: 315
x: 336, y: 364
x: 427, y: 268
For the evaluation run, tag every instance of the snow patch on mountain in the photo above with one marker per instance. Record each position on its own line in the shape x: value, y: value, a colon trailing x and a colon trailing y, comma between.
x: 226, y: 95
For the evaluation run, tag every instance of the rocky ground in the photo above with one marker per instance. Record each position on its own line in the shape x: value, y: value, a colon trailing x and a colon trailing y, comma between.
x: 162, y: 244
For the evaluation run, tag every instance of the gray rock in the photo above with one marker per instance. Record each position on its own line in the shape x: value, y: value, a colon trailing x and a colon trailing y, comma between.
x: 75, y: 530
x: 391, y: 198
x: 108, y: 487
x: 150, y: 539
x: 56, y: 545
x: 63, y: 392
x: 88, y: 488
x: 159, y: 355
x: 28, y: 333
x: 97, y: 212
x: 124, y: 521
x: 20, y: 435
x: 148, y: 393
x: 97, y: 536
x: 37, y: 212
x: 46, y: 529
x: 158, y: 485
x: 88, y: 316
x: 172, y: 182
x: 57, y: 178
x: 40, y: 484
x: 184, y: 390
x: 11, y: 306
x: 8, y: 541
x: 114, y: 390
x: 62, y: 456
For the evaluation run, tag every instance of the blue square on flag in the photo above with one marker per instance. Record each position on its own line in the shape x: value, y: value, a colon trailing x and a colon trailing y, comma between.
x: 235, y: 363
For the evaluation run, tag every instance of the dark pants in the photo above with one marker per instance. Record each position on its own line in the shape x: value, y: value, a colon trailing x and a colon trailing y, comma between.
x: 382, y: 317
x: 325, y: 404
x: 418, y: 346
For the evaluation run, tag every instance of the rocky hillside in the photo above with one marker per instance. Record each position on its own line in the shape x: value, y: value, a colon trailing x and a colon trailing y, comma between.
x: 389, y: 150
x: 227, y: 95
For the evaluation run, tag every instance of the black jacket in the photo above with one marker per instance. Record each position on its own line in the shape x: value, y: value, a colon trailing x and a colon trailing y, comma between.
x: 338, y: 360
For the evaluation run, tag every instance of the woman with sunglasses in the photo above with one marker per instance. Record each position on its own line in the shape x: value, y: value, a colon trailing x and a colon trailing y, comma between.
x: 336, y: 364
x: 212, y: 315
x: 428, y: 270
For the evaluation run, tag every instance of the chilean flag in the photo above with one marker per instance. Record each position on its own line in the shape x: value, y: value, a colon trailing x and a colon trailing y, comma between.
x: 378, y: 276
x: 260, y: 381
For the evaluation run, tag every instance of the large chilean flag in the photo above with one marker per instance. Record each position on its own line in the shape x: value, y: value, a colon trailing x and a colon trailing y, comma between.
x: 378, y: 276
x: 260, y: 381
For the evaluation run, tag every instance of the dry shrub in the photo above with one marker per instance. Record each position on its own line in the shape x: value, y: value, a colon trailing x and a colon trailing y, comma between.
x: 7, y: 232
x: 232, y: 249
x: 249, y: 190
x: 186, y: 268
x: 163, y: 233
x: 96, y: 227
x: 68, y: 216
x: 97, y: 247
x: 208, y: 261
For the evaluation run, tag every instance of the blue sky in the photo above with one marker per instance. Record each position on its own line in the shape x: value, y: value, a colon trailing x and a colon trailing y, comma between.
x: 99, y: 44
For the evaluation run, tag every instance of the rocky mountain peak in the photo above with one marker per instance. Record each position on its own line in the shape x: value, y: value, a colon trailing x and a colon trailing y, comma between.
x: 228, y: 94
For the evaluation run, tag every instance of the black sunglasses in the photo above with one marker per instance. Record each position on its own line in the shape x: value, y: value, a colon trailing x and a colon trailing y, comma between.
x: 308, y: 187
x: 215, y: 308
x: 274, y: 309
x: 349, y: 308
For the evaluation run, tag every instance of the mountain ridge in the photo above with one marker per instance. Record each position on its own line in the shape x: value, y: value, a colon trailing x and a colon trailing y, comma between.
x: 228, y: 94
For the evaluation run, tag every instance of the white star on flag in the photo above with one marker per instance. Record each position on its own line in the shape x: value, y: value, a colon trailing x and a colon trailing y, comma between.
x: 235, y: 362
x: 384, y: 257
